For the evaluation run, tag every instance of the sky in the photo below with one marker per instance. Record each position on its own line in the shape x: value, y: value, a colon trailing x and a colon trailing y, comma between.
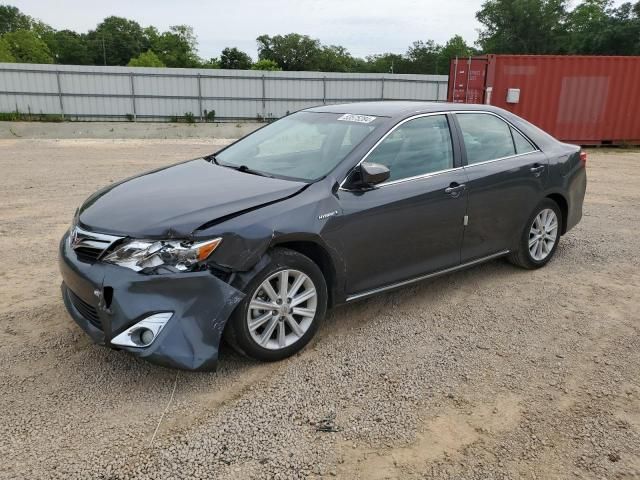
x: 364, y: 27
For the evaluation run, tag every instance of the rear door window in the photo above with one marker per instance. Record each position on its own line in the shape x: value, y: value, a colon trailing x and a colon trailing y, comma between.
x: 486, y: 137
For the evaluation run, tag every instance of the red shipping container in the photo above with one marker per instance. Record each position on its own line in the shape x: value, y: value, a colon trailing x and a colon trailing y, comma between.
x: 588, y: 100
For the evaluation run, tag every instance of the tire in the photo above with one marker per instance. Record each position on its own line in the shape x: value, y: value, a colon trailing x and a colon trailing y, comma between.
x: 524, y: 257
x: 285, y: 338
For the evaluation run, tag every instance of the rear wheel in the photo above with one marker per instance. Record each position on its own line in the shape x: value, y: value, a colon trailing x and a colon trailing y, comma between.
x: 540, y: 237
x: 282, y: 308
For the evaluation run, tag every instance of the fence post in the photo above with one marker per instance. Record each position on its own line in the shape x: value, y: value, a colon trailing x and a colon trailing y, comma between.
x: 60, y: 94
x: 133, y: 98
x: 200, y: 98
x: 437, y: 91
x: 264, y: 99
x: 382, y: 89
x: 324, y: 90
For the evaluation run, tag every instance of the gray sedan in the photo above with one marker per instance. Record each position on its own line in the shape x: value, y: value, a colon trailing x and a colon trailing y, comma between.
x: 325, y: 206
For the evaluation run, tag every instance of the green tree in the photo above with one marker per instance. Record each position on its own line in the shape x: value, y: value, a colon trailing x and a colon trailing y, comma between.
x: 176, y: 48
x: 115, y: 41
x: 69, y: 48
x: 423, y: 57
x: 335, y: 58
x: 42, y: 29
x: 26, y: 47
x: 213, y: 62
x: 623, y: 34
x: 151, y: 36
x: 589, y: 27
x: 523, y: 26
x: 360, y: 65
x: 146, y: 59
x: 387, y: 63
x: 291, y: 52
x: 5, y: 52
x: 456, y: 47
x: 12, y: 19
x: 597, y: 27
x: 266, y: 65
x: 235, y: 59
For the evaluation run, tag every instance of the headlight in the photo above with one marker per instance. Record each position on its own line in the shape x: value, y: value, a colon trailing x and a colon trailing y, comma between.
x: 140, y: 254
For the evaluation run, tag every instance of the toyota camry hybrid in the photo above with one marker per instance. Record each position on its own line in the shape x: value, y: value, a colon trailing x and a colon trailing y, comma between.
x: 326, y: 206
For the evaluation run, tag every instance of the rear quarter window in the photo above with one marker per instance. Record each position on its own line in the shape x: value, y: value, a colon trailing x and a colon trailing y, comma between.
x: 521, y: 143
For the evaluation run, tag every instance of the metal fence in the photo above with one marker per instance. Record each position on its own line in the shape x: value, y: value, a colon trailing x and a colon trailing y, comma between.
x: 130, y: 93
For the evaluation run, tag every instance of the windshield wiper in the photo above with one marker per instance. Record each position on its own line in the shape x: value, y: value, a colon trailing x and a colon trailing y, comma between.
x: 212, y: 158
x: 245, y: 169
x: 240, y: 168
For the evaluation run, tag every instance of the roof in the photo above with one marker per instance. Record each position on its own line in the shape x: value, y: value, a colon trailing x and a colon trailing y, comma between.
x: 395, y: 108
x: 398, y: 110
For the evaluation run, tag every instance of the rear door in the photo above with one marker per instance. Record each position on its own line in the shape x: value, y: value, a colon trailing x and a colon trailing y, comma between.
x: 413, y: 223
x: 506, y: 177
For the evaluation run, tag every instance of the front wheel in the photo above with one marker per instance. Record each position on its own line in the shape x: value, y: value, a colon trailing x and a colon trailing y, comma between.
x: 540, y: 238
x: 282, y: 308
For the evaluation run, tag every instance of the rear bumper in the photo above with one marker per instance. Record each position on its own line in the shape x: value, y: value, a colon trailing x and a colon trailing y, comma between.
x: 105, y: 300
x: 576, y: 190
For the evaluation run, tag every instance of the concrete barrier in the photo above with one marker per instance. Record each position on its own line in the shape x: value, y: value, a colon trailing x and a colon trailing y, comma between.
x: 78, y: 130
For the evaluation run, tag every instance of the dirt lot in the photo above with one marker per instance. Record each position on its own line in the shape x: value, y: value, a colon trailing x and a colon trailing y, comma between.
x: 489, y: 373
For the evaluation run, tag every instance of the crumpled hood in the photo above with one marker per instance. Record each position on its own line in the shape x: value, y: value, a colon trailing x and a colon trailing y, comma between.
x: 175, y: 201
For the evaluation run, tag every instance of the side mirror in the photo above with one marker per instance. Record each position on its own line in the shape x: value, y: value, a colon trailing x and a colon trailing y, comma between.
x: 373, y: 173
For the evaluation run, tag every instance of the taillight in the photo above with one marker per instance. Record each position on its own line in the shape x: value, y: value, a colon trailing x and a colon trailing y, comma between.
x: 583, y: 157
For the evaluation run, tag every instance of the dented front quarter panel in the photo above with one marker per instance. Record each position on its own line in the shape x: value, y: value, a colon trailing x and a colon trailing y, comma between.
x: 201, y: 304
x: 302, y: 218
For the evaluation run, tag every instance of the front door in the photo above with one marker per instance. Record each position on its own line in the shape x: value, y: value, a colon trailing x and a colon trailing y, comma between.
x: 413, y: 223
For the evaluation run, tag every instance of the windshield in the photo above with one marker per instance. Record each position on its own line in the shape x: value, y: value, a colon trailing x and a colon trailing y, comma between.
x: 304, y: 145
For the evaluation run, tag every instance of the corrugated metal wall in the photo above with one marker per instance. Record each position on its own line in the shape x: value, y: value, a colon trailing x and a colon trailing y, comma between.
x: 117, y: 93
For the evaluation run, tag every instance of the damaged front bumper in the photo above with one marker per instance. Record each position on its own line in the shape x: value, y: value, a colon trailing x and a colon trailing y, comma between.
x: 106, y: 299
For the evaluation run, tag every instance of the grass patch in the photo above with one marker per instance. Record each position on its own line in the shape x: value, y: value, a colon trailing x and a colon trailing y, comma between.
x: 30, y: 117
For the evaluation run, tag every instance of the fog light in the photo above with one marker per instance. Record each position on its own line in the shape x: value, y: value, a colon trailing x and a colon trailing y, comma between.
x: 143, y: 333
x: 146, y: 336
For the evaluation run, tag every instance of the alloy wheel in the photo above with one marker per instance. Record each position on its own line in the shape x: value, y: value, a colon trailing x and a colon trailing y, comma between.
x: 282, y: 309
x: 543, y: 234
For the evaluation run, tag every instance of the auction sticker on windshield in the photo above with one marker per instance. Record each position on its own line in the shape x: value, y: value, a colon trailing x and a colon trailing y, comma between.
x: 350, y: 117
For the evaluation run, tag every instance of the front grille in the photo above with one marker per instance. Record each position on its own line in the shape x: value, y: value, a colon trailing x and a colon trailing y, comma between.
x: 86, y: 310
x: 90, y: 245
x: 88, y: 254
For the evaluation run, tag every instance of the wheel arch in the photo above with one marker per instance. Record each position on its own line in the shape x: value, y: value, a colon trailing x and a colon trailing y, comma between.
x: 319, y: 254
x: 563, y: 205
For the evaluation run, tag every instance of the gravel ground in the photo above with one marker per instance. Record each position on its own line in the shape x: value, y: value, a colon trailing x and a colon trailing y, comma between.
x: 491, y: 373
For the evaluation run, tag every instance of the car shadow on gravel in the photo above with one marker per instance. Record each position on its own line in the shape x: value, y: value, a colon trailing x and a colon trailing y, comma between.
x: 140, y: 379
x: 407, y: 298
x: 338, y: 321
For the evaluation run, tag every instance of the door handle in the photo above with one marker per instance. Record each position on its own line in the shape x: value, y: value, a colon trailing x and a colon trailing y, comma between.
x: 537, y: 170
x: 455, y: 189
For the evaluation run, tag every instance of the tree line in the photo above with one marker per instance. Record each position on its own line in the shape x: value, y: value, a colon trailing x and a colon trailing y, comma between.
x: 507, y: 26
